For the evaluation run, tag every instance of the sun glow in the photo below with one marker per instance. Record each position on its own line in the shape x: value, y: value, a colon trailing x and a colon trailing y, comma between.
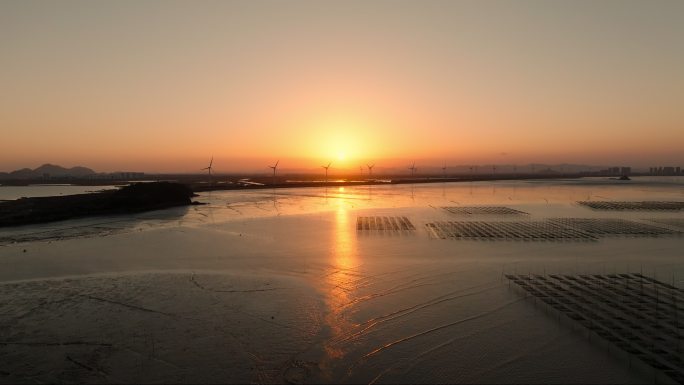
x: 342, y: 140
x: 343, y: 145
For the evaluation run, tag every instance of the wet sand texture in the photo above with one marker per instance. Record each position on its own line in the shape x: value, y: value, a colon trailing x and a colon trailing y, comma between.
x: 170, y: 328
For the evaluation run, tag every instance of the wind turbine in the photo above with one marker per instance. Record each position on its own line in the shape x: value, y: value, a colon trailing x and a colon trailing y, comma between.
x: 370, y: 169
x: 326, y: 170
x: 413, y: 169
x: 274, y: 167
x: 209, y: 168
x: 444, y: 170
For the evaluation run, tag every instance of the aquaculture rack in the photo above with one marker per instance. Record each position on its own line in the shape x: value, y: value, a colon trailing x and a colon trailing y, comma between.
x: 506, y: 230
x: 478, y: 210
x: 384, y: 224
x: 638, y: 314
x: 634, y: 206
x: 611, y: 226
x: 675, y: 222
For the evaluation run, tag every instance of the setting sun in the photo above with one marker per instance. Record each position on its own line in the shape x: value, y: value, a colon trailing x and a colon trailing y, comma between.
x: 340, y: 146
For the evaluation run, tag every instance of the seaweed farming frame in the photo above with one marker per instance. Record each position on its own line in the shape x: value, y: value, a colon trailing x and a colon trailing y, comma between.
x: 634, y: 206
x: 483, y: 210
x: 674, y: 222
x: 638, y: 314
x: 543, y: 230
x: 553, y: 229
x: 614, y: 226
x: 382, y: 224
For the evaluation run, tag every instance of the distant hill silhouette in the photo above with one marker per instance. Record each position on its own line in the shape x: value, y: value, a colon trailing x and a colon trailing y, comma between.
x: 48, y: 171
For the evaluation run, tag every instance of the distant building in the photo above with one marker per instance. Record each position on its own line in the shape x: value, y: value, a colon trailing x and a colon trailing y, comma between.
x: 625, y: 170
x: 128, y: 175
x: 666, y: 170
x: 120, y: 175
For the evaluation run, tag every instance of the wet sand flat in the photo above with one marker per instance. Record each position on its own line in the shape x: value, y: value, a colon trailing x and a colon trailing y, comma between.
x: 281, y: 287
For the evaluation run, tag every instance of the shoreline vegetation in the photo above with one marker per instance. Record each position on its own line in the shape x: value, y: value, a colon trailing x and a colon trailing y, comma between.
x: 136, y: 197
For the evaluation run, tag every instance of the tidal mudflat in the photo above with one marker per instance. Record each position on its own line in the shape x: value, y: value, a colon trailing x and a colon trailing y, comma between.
x: 370, y: 284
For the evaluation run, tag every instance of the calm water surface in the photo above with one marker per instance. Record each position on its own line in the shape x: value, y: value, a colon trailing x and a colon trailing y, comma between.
x: 278, y: 286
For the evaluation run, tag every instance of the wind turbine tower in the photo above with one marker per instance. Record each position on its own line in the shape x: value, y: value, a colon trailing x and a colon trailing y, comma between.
x: 413, y: 169
x: 370, y: 169
x: 326, y: 171
x: 208, y: 168
x: 274, y: 167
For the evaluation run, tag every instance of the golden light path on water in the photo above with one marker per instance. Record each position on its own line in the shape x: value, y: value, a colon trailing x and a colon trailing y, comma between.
x: 344, y: 247
x: 344, y: 263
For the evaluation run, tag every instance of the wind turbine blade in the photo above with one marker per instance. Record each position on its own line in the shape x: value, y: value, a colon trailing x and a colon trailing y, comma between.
x: 278, y: 161
x: 329, y: 163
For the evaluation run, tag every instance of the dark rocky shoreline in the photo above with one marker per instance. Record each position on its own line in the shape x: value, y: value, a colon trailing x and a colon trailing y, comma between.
x: 134, y: 198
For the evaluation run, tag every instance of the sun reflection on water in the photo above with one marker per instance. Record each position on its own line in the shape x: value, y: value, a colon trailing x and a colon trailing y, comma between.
x: 344, y: 252
x: 344, y: 274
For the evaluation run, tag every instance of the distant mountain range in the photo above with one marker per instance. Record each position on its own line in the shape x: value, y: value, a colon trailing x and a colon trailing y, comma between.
x: 48, y: 171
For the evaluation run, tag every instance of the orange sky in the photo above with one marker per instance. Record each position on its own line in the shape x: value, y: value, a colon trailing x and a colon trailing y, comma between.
x: 164, y: 85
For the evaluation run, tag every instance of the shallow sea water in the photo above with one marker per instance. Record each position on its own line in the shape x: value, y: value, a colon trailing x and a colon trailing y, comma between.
x: 276, y: 286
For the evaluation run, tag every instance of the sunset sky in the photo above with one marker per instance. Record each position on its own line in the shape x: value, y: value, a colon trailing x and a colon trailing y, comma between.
x: 160, y: 86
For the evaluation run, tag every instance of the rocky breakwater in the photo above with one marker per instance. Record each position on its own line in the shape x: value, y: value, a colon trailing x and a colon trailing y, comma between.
x: 133, y: 198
